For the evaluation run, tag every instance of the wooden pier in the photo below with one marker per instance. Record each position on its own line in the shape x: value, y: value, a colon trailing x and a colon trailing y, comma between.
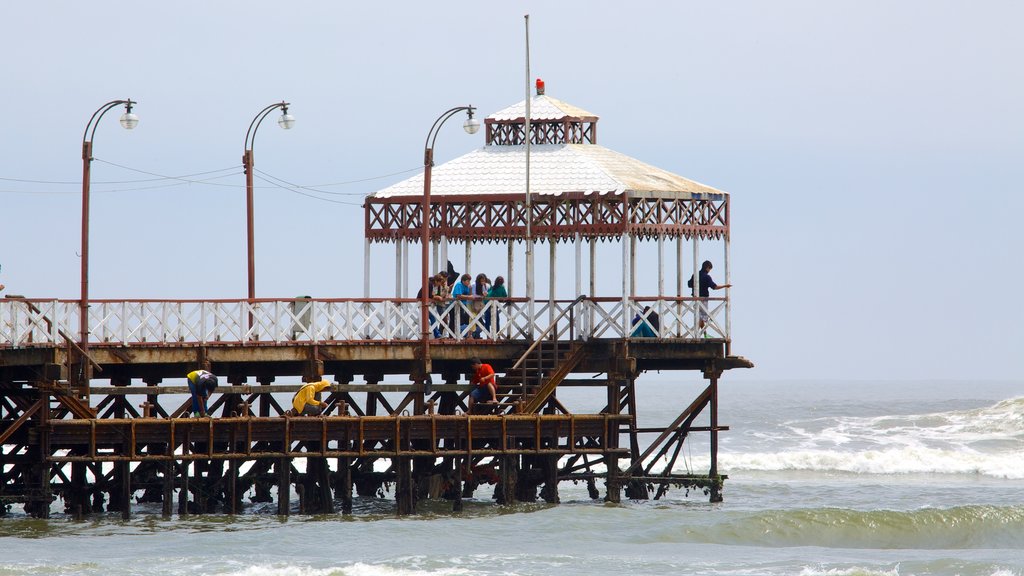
x: 102, y: 447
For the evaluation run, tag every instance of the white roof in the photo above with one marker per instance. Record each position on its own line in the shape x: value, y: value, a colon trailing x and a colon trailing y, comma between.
x: 554, y: 169
x: 541, y: 108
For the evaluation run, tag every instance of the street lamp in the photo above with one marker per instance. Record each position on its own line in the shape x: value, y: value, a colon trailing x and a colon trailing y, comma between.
x: 286, y: 121
x: 471, y: 126
x: 129, y: 121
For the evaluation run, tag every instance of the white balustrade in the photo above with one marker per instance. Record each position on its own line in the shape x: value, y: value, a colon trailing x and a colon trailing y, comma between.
x: 26, y: 322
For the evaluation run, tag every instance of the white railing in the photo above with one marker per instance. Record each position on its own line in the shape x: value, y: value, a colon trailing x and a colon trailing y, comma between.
x: 25, y: 322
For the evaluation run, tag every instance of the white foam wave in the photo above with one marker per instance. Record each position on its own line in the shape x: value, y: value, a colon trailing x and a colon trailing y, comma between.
x: 1000, y: 426
x: 855, y: 571
x: 357, y: 569
x: 899, y: 460
x: 985, y: 441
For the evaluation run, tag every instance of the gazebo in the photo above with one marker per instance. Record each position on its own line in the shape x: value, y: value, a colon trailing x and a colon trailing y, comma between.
x: 559, y: 185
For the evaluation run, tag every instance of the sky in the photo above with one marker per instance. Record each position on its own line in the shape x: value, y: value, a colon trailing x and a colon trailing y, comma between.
x: 874, y: 151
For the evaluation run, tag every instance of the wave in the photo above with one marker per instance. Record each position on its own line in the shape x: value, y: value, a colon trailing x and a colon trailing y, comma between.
x: 357, y: 569
x: 986, y: 441
x: 885, y: 461
x: 963, y: 527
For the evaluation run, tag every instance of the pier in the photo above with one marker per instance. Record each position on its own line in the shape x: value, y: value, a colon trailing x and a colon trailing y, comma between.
x: 94, y: 410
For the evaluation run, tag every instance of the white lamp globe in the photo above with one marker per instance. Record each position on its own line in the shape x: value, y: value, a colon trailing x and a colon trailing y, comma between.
x: 129, y: 120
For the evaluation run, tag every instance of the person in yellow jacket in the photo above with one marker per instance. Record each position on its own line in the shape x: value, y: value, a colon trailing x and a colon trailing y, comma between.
x: 305, y: 401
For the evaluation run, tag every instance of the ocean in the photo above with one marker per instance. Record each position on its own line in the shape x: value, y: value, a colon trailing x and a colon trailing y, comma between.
x: 826, y: 478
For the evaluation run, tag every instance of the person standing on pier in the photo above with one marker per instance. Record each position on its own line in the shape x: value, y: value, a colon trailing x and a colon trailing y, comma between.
x: 485, y: 388
x: 201, y: 384
x: 706, y: 285
x: 497, y: 291
x: 463, y: 294
x: 305, y: 400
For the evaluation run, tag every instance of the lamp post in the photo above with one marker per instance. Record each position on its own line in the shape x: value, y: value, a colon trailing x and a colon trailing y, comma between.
x: 471, y: 126
x: 129, y: 121
x: 286, y: 121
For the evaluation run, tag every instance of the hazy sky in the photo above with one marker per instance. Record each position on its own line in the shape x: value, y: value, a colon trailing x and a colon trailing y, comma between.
x: 874, y: 151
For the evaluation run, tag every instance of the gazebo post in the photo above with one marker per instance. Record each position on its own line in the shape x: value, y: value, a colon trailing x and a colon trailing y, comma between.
x: 632, y: 266
x: 469, y: 260
x: 444, y: 253
x: 434, y: 244
x: 553, y: 264
x: 579, y: 265
x: 625, y: 286
x: 404, y: 268
x: 679, y: 284
x: 398, y: 269
x: 508, y: 284
x: 593, y: 278
x: 661, y: 266
x: 728, y: 301
x: 696, y: 287
x: 529, y: 284
x: 366, y: 269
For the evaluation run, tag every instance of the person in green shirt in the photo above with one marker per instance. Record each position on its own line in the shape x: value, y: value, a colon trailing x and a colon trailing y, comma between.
x: 497, y: 291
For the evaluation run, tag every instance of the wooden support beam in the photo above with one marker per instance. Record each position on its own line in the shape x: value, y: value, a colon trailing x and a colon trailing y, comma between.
x: 405, y: 487
x: 344, y: 487
x: 284, y: 483
x: 168, y: 487
x: 126, y: 489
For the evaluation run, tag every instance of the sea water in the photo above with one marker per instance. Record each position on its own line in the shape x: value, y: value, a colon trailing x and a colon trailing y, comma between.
x: 825, y: 478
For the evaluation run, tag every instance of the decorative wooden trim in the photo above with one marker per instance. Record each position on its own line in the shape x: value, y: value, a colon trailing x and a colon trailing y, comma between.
x: 558, y: 218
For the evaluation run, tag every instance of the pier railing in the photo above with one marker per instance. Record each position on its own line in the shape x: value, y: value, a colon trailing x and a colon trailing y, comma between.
x: 26, y: 322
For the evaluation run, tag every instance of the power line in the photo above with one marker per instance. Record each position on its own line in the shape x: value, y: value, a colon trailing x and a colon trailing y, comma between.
x: 273, y: 181
x: 299, y: 191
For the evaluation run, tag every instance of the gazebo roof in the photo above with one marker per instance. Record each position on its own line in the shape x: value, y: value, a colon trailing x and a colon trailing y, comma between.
x: 542, y: 108
x: 555, y: 169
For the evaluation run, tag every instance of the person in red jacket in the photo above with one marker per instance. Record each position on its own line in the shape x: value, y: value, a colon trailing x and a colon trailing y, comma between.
x: 485, y: 387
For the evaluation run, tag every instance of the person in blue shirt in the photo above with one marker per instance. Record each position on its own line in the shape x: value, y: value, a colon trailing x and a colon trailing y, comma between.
x: 463, y: 291
x: 706, y: 285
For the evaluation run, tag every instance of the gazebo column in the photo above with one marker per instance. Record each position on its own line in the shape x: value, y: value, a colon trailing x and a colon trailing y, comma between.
x: 593, y: 280
x: 632, y: 265
x: 553, y: 264
x: 578, y: 244
x: 405, y: 268
x: 366, y: 269
x: 679, y: 283
x: 511, y: 266
x: 469, y: 259
x: 398, y: 269
x: 444, y: 254
x: 626, y: 267
x: 659, y: 306
x: 728, y: 300
x: 661, y: 266
x: 696, y: 286
x: 529, y: 285
x: 437, y: 263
